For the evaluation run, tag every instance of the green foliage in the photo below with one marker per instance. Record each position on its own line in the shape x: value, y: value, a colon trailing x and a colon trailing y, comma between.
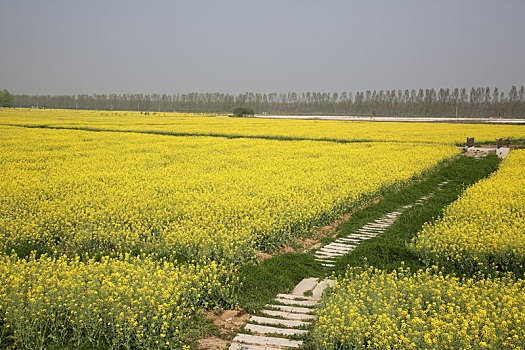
x: 261, y: 282
x: 6, y: 99
x: 243, y: 112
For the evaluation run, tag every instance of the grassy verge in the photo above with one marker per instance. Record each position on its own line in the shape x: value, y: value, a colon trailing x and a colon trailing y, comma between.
x: 261, y: 282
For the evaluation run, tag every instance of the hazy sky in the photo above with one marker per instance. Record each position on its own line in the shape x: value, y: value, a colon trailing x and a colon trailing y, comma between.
x: 70, y: 47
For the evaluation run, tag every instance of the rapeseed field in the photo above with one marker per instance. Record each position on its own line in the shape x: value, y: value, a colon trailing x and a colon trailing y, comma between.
x: 201, y: 124
x: 485, y: 227
x: 477, y: 301
x: 120, y: 238
x: 186, y: 197
x: 425, y: 309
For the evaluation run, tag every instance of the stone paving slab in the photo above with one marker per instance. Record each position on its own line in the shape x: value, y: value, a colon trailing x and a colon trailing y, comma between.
x: 237, y: 346
x: 255, y: 328
x: 296, y: 302
x: 502, y: 152
x: 377, y: 224
x: 385, y: 223
x: 368, y: 231
x: 356, y: 239
x: 369, y: 228
x: 334, y: 252
x: 327, y: 263
x: 320, y: 254
x: 261, y: 340
x: 363, y: 236
x: 351, y: 240
x: 331, y: 250
x: 288, y: 315
x: 305, y: 285
x: 354, y: 242
x: 277, y: 321
x: 342, y: 248
x: 330, y: 254
x: 294, y: 296
x: 325, y: 260
x: 363, y: 233
x: 344, y: 245
x: 324, y: 263
x: 294, y: 309
x: 341, y: 251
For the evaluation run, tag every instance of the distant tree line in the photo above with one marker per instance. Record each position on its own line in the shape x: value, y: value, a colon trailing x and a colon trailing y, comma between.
x: 482, y: 102
x: 6, y: 99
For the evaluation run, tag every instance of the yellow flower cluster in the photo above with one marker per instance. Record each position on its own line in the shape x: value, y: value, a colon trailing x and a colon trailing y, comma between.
x: 186, y: 197
x: 485, y: 226
x: 178, y: 123
x: 373, y: 309
x: 121, y: 302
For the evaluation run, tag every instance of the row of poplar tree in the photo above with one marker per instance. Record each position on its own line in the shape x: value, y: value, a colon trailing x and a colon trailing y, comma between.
x: 482, y: 102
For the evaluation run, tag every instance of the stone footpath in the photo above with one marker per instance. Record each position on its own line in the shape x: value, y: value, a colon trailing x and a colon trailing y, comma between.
x: 283, y: 321
x: 329, y: 253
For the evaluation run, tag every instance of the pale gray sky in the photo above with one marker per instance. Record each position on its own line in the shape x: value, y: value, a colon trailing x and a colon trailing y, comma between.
x: 70, y: 47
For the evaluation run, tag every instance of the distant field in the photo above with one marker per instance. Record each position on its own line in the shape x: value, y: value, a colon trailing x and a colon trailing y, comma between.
x: 186, y: 124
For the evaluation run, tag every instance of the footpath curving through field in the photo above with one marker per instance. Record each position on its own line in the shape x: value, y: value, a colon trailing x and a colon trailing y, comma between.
x: 282, y: 319
x: 327, y: 254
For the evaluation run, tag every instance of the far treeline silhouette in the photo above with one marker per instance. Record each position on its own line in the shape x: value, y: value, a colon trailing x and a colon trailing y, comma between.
x: 476, y: 102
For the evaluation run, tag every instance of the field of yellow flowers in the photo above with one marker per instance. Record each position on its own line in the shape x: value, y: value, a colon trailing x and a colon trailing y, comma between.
x: 138, y: 232
x: 186, y: 197
x: 200, y: 124
x: 373, y: 309
x: 117, y: 239
x: 481, y: 235
x: 118, y: 302
x: 485, y: 227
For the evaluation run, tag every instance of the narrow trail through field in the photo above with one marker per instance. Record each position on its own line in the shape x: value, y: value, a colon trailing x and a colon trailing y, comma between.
x: 342, y: 246
x: 284, y: 323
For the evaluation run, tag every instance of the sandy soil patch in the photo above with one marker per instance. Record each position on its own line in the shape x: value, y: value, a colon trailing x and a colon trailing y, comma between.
x: 227, y: 323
